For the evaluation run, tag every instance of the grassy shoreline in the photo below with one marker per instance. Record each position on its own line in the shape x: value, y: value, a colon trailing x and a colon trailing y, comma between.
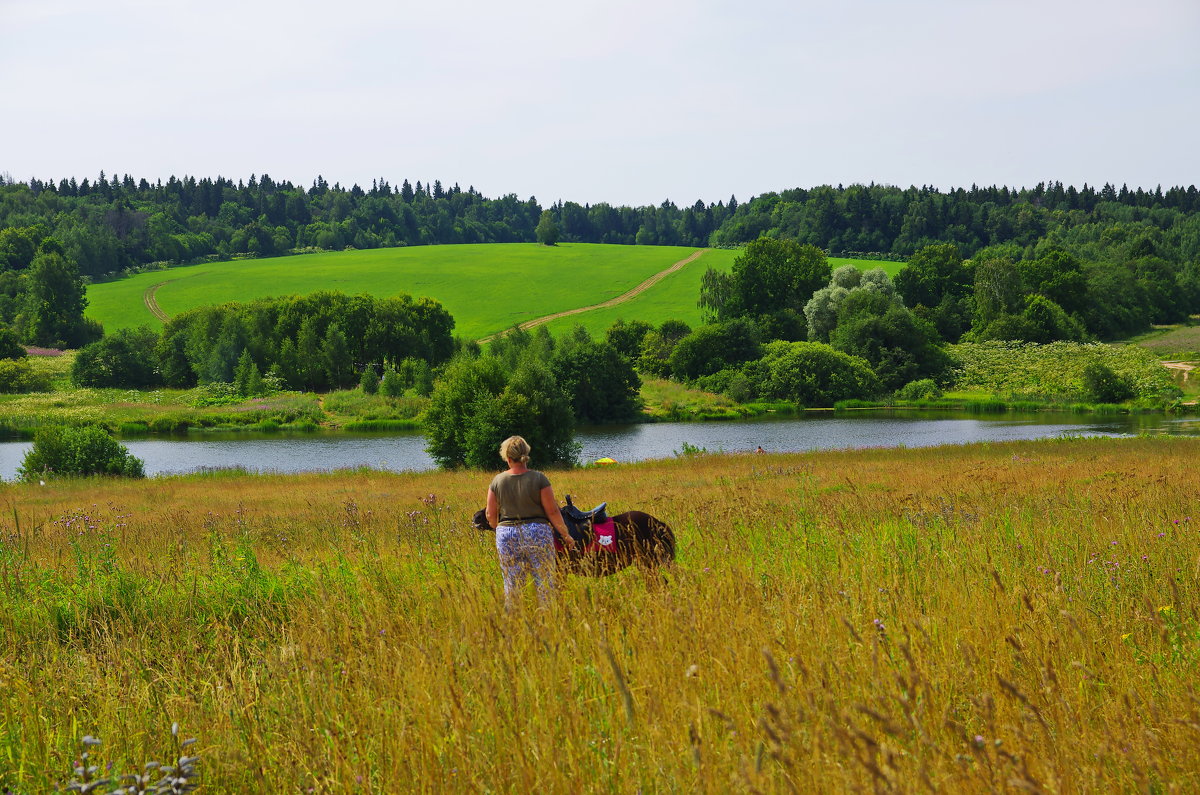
x: 173, y: 412
x: 169, y: 413
x: 967, y: 617
x: 985, y: 404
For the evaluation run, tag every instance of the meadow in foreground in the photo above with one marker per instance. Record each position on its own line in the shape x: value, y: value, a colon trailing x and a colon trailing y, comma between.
x: 1018, y: 617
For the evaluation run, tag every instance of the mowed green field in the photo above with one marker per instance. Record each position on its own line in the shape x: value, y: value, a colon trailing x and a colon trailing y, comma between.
x: 673, y: 298
x: 486, y: 287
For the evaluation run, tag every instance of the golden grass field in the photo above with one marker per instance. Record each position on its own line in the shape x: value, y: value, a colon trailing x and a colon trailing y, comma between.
x: 999, y: 618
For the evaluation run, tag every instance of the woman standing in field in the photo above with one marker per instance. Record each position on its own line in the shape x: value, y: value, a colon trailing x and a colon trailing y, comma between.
x: 522, y: 508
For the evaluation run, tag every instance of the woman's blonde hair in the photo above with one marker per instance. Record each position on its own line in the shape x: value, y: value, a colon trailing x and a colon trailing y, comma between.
x: 515, y: 448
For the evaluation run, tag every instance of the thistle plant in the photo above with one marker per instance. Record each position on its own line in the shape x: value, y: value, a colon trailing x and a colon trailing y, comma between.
x: 155, y: 779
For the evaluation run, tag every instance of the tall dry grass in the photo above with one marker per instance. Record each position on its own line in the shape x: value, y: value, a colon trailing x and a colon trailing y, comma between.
x: 1017, y: 617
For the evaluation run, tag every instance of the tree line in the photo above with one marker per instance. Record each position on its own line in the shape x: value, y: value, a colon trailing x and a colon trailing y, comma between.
x: 108, y: 225
x: 882, y: 218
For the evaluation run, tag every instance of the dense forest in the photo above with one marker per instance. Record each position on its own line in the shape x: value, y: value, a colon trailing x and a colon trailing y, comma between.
x: 108, y: 225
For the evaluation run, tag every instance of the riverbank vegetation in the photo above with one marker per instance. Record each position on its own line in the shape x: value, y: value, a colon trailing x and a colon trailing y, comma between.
x: 976, y: 618
x: 993, y: 377
x: 533, y: 385
x: 136, y: 412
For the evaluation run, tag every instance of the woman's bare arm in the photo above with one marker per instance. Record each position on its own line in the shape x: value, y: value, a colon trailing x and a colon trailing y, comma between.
x: 493, y: 509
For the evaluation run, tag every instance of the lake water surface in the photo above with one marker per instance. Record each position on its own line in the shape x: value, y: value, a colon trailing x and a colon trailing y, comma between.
x: 406, y: 451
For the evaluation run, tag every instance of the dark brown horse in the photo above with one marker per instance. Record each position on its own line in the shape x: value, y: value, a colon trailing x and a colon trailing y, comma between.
x: 605, y: 545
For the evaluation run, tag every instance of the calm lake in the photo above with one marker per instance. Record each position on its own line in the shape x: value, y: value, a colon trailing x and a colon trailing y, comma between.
x: 406, y: 451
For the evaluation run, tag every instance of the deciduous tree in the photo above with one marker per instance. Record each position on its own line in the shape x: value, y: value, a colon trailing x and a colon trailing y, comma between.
x: 811, y: 374
x: 600, y: 383
x: 55, y: 300
x: 714, y: 347
x: 121, y: 359
x: 547, y: 230
x: 530, y: 405
x: 932, y: 273
x: 770, y: 282
x: 898, y: 345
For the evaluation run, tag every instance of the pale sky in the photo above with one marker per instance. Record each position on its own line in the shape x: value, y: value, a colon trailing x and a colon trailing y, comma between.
x: 618, y: 101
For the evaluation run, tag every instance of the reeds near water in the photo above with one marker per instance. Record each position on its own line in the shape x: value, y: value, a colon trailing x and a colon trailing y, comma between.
x: 1017, y: 617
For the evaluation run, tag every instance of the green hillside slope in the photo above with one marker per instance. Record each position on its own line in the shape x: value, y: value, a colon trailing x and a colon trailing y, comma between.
x: 486, y: 287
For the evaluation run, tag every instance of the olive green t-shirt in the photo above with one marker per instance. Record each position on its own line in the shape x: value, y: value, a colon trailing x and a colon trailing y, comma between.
x: 520, y: 496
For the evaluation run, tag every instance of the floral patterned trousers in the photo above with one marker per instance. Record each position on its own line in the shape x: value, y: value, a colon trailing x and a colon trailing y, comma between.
x: 525, y: 550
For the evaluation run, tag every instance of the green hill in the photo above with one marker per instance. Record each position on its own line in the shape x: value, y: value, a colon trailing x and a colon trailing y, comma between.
x: 486, y: 287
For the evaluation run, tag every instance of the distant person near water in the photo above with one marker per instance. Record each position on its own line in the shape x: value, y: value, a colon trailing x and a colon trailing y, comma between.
x: 522, y: 507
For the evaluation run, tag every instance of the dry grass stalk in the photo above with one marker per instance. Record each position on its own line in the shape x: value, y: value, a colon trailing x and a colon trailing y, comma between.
x: 977, y: 619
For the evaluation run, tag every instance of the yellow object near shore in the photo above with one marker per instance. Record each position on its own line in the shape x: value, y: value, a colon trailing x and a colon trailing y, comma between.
x: 606, y: 461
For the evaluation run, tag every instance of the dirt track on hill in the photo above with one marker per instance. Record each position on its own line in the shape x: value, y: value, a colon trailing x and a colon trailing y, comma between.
x: 152, y: 304
x: 620, y: 299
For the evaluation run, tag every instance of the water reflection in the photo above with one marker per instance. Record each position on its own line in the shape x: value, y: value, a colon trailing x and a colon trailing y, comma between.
x: 832, y: 432
x: 406, y: 451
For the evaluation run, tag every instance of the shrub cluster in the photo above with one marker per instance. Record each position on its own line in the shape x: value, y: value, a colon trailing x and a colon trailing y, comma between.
x: 87, y: 450
x: 316, y: 342
x: 18, y: 375
x: 532, y: 385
